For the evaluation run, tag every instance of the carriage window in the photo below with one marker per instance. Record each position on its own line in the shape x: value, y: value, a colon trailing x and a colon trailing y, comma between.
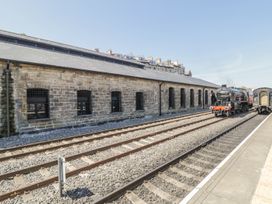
x: 84, y: 103
x: 171, y: 98
x: 116, y: 101
x: 199, y: 97
x: 37, y: 104
x: 139, y: 101
x: 182, y: 98
x: 192, y: 98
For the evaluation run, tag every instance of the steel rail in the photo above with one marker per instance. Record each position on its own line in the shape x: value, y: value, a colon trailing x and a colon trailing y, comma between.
x: 120, y: 191
x: 93, y: 151
x: 123, y: 130
x: 89, y: 139
x: 51, y: 180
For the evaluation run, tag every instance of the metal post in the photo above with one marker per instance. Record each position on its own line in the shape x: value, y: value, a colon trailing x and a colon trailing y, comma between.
x: 7, y: 99
x: 62, y: 174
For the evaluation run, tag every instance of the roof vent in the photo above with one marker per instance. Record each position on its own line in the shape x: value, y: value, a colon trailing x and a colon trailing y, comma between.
x: 96, y: 49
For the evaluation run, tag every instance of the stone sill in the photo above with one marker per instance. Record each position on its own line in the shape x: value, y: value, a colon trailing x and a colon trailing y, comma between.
x: 139, y: 111
x: 117, y: 113
x: 85, y: 116
x: 39, y: 120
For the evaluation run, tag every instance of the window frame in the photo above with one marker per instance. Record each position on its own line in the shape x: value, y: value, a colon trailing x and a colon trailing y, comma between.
x: 89, y: 108
x: 41, y: 94
x: 139, y: 107
x: 192, y: 98
x: 171, y: 99
x: 199, y: 92
x: 182, y: 98
x: 119, y: 100
x: 206, y: 97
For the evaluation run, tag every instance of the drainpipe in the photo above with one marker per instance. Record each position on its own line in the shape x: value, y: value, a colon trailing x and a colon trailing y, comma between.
x: 7, y: 98
x: 160, y: 103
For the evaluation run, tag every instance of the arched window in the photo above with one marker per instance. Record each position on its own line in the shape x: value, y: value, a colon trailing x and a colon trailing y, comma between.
x: 171, y: 98
x: 182, y: 98
x: 206, y: 97
x: 213, y: 98
x: 192, y: 98
x: 199, y: 97
x: 37, y: 103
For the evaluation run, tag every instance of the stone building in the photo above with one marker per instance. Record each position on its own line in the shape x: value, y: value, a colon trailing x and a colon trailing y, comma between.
x: 57, y: 85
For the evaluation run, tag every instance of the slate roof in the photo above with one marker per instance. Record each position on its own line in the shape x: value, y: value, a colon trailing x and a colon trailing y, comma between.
x: 64, y: 48
x: 27, y: 54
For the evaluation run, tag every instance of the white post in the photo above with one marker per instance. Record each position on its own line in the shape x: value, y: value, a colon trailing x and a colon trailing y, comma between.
x: 62, y: 174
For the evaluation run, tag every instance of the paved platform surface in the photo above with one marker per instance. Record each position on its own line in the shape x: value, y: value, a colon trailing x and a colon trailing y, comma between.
x: 246, y: 177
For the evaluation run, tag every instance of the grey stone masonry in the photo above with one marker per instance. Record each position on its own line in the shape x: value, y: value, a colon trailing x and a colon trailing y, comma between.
x: 1, y: 71
x: 63, y: 85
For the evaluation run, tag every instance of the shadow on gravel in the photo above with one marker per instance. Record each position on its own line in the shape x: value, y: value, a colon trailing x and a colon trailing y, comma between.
x: 79, y: 193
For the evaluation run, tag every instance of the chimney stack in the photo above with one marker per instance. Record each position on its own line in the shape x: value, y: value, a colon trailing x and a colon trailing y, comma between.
x: 110, y: 52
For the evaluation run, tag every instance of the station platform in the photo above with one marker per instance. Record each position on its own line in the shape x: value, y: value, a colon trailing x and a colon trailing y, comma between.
x: 243, y: 177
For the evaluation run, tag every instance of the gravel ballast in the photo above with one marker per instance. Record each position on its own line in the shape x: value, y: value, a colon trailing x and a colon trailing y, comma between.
x: 27, y: 138
x: 110, y: 176
x: 39, y: 158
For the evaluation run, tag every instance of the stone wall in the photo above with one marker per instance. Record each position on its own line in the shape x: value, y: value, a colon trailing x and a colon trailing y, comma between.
x: 2, y: 65
x: 64, y: 83
x: 177, y: 87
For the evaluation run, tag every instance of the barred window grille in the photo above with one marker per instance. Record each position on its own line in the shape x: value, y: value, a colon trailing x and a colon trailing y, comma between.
x: 192, y: 98
x: 139, y: 101
x: 37, y: 103
x: 171, y: 98
x: 199, y: 97
x: 182, y: 98
x: 116, y: 101
x: 84, y: 102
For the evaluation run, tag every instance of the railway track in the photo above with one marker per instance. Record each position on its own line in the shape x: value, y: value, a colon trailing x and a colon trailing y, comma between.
x: 173, y: 180
x: 39, y: 147
x: 23, y: 165
x: 133, y: 145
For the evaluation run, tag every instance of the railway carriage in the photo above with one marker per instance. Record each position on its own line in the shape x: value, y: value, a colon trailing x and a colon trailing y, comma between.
x: 263, y: 100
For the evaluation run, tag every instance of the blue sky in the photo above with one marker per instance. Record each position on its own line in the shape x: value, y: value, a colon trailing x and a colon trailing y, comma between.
x: 220, y: 41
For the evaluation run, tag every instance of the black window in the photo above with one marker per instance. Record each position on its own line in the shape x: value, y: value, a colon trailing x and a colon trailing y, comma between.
x: 192, y: 98
x: 182, y: 98
x: 213, y: 98
x: 139, y: 101
x: 116, y: 101
x: 37, y: 103
x: 171, y: 98
x: 199, y: 97
x: 84, y: 102
x: 206, y: 97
